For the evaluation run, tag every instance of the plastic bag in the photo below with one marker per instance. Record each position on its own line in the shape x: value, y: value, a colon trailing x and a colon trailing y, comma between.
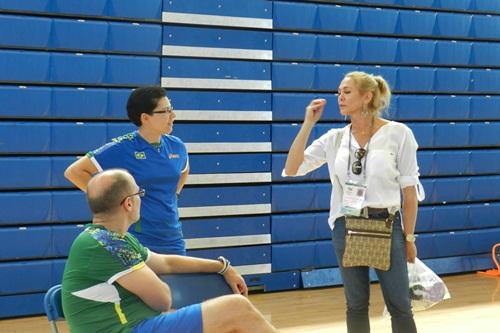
x: 426, y: 287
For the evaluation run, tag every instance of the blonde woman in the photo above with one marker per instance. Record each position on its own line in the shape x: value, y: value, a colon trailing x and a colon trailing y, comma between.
x: 372, y: 164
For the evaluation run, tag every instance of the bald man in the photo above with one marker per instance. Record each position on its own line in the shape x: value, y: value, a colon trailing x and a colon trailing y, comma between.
x: 111, y: 283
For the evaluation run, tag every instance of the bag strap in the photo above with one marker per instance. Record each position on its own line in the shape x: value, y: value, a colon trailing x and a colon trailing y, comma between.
x: 338, y: 140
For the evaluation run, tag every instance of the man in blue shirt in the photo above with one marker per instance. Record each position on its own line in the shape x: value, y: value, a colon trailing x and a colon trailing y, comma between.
x: 157, y: 160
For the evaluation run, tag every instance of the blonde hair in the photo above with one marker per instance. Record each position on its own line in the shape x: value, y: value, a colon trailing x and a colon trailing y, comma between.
x: 379, y: 88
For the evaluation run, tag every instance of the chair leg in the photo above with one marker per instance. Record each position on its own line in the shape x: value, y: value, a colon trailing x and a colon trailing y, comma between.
x: 53, y: 327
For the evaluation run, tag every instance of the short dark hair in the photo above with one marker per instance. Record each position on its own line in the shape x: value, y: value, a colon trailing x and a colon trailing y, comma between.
x: 109, y: 198
x: 143, y: 100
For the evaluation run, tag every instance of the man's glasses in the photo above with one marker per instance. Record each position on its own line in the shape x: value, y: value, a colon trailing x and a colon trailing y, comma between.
x: 357, y: 166
x: 166, y: 110
x: 141, y: 193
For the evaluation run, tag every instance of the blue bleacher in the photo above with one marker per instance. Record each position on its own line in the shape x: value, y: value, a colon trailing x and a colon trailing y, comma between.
x: 294, y: 46
x: 217, y: 38
x: 303, y: 255
x: 90, y: 68
x: 485, y: 26
x: 337, y: 18
x: 415, y: 107
x: 82, y: 35
x: 21, y: 305
x: 223, y: 132
x: 215, y: 69
x: 17, y: 277
x: 313, y: 196
x: 376, y: 20
x: 36, y: 101
x: 24, y: 31
x: 485, y: 107
x: 148, y: 9
x: 134, y: 70
x: 485, y: 80
x: 220, y: 101
x: 452, y: 107
x: 484, y: 215
x: 239, y: 256
x: 484, y: 188
x: 416, y: 3
x: 225, y: 196
x: 25, y: 172
x: 293, y: 76
x: 300, y: 227
x: 294, y: 15
x: 415, y: 79
x: 76, y: 137
x: 134, y: 37
x: 452, y: 53
x: 336, y: 48
x: 453, y: 25
x: 381, y: 50
x: 79, y: 103
x: 455, y: 4
x: 78, y: 68
x: 484, y: 161
x: 416, y: 51
x: 39, y: 242
x: 274, y: 281
x: 24, y: 66
x: 416, y: 22
x: 450, y: 162
x: 78, y: 34
x: 61, y: 102
x: 226, y: 226
x: 233, y: 163
x: 484, y: 134
x: 92, y: 7
x: 26, y: 5
x: 253, y: 9
x: 452, y: 80
x: 487, y: 5
x: 485, y: 53
x: 291, y: 106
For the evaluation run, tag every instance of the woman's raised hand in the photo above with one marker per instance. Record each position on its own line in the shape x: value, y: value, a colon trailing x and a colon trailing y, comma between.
x: 314, y: 111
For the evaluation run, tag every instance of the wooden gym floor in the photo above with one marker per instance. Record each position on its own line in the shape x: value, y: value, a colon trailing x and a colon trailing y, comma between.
x: 474, y: 307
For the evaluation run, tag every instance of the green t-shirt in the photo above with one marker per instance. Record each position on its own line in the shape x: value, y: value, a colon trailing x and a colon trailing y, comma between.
x: 92, y: 299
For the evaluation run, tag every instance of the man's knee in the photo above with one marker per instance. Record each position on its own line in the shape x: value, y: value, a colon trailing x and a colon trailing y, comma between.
x: 237, y: 303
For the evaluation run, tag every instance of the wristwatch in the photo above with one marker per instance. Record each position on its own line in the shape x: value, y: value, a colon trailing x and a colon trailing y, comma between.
x: 410, y: 238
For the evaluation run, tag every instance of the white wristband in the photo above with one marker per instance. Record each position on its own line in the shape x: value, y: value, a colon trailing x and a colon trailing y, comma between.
x: 225, y: 265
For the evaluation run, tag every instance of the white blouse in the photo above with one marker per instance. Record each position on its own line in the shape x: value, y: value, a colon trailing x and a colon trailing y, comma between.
x: 390, y: 166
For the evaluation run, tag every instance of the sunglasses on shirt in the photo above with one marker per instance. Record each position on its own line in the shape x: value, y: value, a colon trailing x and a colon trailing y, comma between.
x: 357, y: 166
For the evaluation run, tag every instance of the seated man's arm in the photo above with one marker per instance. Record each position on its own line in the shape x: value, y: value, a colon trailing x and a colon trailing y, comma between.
x: 144, y: 283
x: 171, y: 264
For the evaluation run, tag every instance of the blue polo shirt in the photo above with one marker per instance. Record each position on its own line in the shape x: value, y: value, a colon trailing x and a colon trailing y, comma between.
x: 157, y: 170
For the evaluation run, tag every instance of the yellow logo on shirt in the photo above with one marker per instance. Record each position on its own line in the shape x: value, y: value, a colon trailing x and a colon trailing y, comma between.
x: 173, y: 155
x: 140, y: 155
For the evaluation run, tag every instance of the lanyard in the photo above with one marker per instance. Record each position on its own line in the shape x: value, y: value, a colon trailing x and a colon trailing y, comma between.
x: 365, y: 157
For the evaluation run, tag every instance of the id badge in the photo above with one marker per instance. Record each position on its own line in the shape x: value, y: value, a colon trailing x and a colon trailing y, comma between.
x: 353, y: 199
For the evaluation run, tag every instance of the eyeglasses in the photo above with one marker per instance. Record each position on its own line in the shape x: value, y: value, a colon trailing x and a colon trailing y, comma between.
x: 141, y: 193
x: 356, y: 166
x: 166, y: 110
